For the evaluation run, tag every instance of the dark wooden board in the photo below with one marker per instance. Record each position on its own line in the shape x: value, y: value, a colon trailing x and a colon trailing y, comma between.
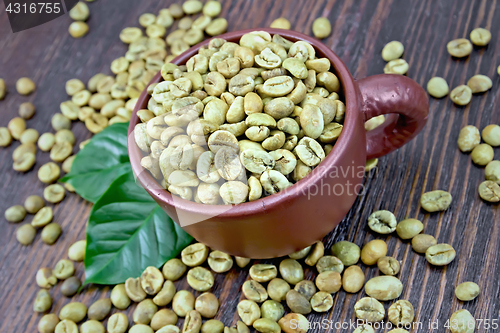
x: 50, y: 56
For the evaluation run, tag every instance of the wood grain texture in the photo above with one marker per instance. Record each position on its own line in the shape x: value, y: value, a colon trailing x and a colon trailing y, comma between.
x: 360, y: 29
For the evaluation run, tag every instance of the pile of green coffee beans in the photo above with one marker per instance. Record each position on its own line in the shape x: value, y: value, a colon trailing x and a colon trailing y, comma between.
x: 240, y: 121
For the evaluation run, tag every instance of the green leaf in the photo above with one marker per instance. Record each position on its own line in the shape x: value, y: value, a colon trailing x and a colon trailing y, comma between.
x: 127, y: 232
x: 101, y: 161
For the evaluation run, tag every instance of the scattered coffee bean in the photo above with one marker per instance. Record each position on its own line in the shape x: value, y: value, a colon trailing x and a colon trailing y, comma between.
x: 392, y: 50
x: 212, y: 326
x: 461, y: 95
x: 373, y: 251
x: 74, y: 311
x: 15, y: 214
x: 163, y: 318
x: 76, y: 252
x: 119, y: 297
x: 183, y: 302
x: 306, y: 288
x: 462, y: 321
x: 353, y: 279
x: 440, y: 254
x: 194, y: 254
x: 459, y: 48
x: 294, y: 323
x: 491, y: 135
x: 266, y: 325
x: 25, y: 234
x: 254, y: 291
x: 479, y: 83
x: 401, y: 313
x: 369, y: 309
x: 220, y: 262
x: 64, y: 269
x: 329, y: 281
x: 349, y: 253
x: 435, y: 201
x: 281, y: 23
x: 26, y: 110
x: 468, y: 138
x: 3, y: 89
x: 66, y: 326
x: 321, y: 28
x: 467, y: 291
x: 70, y: 286
x: 152, y: 280
x: 144, y: 312
x: 140, y: 328
x: 384, y: 288
x: 92, y: 326
x: 99, y: 309
x: 489, y: 191
x: 291, y: 271
x: 316, y: 253
x: 78, y: 29
x: 388, y: 265
x: 48, y: 323
x: 480, y: 37
x: 382, y: 222
x: 277, y: 289
x: 409, y: 228
x: 397, y: 66
x: 25, y: 86
x: 492, y: 171
x: 248, y: 311
x: 482, y: 154
x: 43, y: 301
x: 297, y: 302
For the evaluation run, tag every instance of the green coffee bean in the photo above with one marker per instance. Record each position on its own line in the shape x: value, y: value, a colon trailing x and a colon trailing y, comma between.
x: 183, y: 302
x: 369, y: 309
x: 349, y: 253
x: 322, y: 301
x: 76, y: 252
x: 277, y: 289
x: 119, y: 298
x: 480, y: 36
x: 491, y: 135
x: 382, y: 222
x: 467, y: 291
x: 409, y: 228
x: 420, y: 243
x: 212, y: 326
x: 207, y: 305
x: 462, y: 321
x: 397, y: 66
x: 174, y: 269
x: 92, y: 326
x: 294, y: 323
x: 263, y: 272
x: 254, y: 291
x: 152, y: 280
x: 15, y: 214
x: 45, y: 278
x: 435, y: 201
x: 99, y: 309
x: 392, y: 50
x: 482, y: 154
x: 144, y: 312
x: 64, y: 269
x: 43, y: 301
x: 266, y: 325
x: 166, y: 294
x: 163, y: 318
x: 479, y: 83
x: 200, y: 278
x: 66, y: 326
x: 459, y: 48
x: 489, y: 191
x: 291, y: 271
x: 401, y: 313
x: 25, y: 86
x: 48, y: 323
x: 330, y: 263
x: 384, y: 288
x: 353, y: 279
x: 461, y: 95
x: 281, y: 23
x: 26, y: 234
x: 74, y: 311
x: 70, y: 286
x: 388, y: 265
x: 297, y: 302
x: 140, y: 328
x: 329, y: 281
x: 33, y: 204
x: 437, y: 87
x: 440, y: 254
x: 248, y: 311
x: 321, y: 28
x: 306, y: 288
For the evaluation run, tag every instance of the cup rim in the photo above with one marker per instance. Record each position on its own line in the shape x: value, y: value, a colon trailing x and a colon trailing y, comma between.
x: 300, y: 188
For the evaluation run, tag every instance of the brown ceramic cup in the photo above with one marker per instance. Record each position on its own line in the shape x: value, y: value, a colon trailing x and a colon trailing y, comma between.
x: 285, y: 222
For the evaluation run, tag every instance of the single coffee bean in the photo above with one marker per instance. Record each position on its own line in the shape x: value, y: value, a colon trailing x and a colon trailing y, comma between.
x: 25, y: 162
x: 70, y: 286
x: 468, y: 138
x: 92, y: 326
x: 479, y: 83
x: 294, y: 322
x: 440, y: 254
x: 297, y: 302
x: 78, y: 29
x: 349, y: 253
x: 119, y: 297
x: 409, y: 228
x: 277, y: 289
x: 462, y: 321
x: 353, y: 279
x: 33, y: 204
x: 266, y: 325
x: 163, y: 318
x: 49, y: 173
x: 372, y: 251
x: 140, y: 328
x: 212, y: 326
x: 166, y: 294
x: 291, y: 271
x: 234, y: 192
x: 420, y: 243
x: 467, y: 291
x: 329, y: 281
x: 459, y: 48
x: 281, y: 23
x: 482, y: 154
x: 435, y: 201
x: 248, y: 311
x: 64, y: 269
x: 401, y: 313
x: 48, y: 323
x: 263, y: 272
x: 392, y: 50
x: 144, y: 312
x: 192, y: 322
x: 134, y: 290
x: 369, y: 309
x: 207, y: 305
x: 480, y: 36
x: 200, y: 279
x: 388, y: 265
x: 152, y: 280
x: 330, y: 263
x: 254, y: 291
x: 491, y: 135
x: 5, y: 137
x: 42, y: 218
x: 272, y: 310
x: 322, y: 301
x: 384, y: 288
x: 396, y: 66
x: 461, y: 95
x: 99, y: 309
x: 437, y: 87
x: 194, y: 254
x: 212, y: 8
x: 256, y: 161
x: 364, y: 328
x: 316, y: 253
x: 117, y: 323
x: 273, y: 181
x: 489, y: 191
x: 45, y: 278
x: 25, y: 234
x: 382, y: 222
x: 43, y: 301
x: 25, y: 86
x: 66, y: 326
x: 183, y: 302
x: 306, y: 288
x: 76, y: 252
x: 74, y: 311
